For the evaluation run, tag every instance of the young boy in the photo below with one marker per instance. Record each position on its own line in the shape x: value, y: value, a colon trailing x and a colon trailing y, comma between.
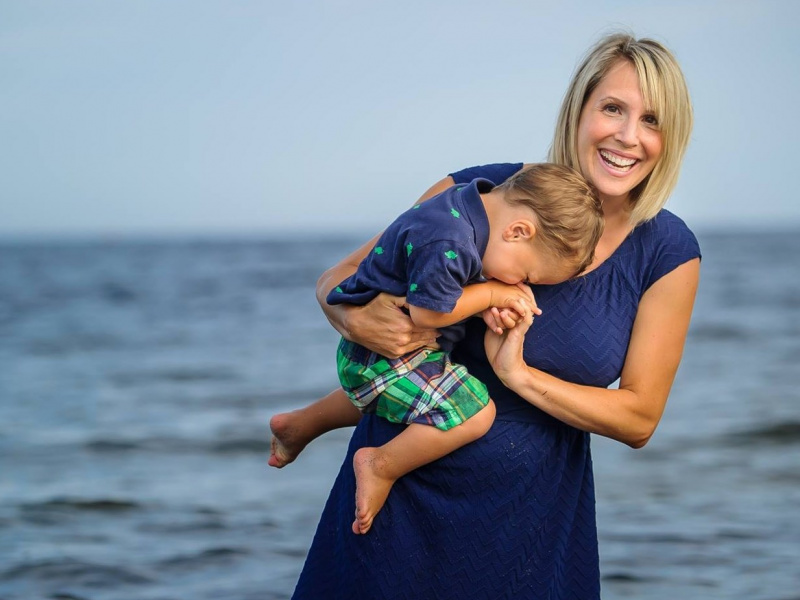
x: 466, y: 251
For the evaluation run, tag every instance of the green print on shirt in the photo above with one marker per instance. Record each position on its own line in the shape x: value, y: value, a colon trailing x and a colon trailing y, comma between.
x: 338, y: 289
x: 451, y: 255
x: 378, y: 250
x: 412, y: 287
x: 455, y: 213
x: 409, y: 248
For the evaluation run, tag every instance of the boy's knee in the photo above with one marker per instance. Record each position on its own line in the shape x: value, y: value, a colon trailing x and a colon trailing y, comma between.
x: 485, y: 418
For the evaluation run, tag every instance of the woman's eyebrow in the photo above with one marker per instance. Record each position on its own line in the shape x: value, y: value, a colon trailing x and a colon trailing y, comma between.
x: 612, y: 99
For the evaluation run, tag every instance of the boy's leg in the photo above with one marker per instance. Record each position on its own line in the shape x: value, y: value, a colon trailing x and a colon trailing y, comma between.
x: 377, y: 469
x: 292, y: 431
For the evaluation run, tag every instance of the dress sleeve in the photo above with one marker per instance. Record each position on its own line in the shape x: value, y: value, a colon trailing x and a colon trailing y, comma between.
x: 497, y: 173
x: 673, y: 244
x: 437, y: 273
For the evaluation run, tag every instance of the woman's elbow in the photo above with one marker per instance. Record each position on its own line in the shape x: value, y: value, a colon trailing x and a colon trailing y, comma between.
x: 323, y: 285
x: 638, y: 439
x: 638, y: 443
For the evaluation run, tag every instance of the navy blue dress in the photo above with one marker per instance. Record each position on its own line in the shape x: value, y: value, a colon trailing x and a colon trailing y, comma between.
x: 511, y: 515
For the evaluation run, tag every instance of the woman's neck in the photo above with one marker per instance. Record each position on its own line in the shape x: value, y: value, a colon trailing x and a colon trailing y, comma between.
x: 616, y: 216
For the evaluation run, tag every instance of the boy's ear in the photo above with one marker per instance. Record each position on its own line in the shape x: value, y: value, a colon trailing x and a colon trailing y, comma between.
x: 520, y: 230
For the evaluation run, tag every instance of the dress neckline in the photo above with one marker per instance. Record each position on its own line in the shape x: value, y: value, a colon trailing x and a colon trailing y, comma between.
x: 613, y: 256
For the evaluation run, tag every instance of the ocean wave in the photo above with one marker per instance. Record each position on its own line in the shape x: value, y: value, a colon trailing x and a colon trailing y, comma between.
x: 206, y: 558
x: 627, y: 577
x: 782, y: 434
x: 69, y: 571
x: 717, y: 332
x: 66, y: 596
x: 178, y: 376
x: 206, y: 525
x: 73, y: 343
x: 106, y: 505
x: 173, y: 445
x: 281, y: 278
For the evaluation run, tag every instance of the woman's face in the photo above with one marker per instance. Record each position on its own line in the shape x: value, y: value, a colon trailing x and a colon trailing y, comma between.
x: 619, y: 140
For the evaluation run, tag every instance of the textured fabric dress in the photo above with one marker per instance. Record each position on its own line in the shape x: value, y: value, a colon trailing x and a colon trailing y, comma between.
x: 511, y: 515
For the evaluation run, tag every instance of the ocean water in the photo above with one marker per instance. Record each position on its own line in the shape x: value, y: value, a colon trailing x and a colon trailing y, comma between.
x: 137, y: 380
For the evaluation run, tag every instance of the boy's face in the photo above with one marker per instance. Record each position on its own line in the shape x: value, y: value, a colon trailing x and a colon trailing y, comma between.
x: 524, y: 261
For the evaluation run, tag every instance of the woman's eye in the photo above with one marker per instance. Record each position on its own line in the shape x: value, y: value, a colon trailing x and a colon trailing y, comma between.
x: 612, y: 108
x: 651, y: 120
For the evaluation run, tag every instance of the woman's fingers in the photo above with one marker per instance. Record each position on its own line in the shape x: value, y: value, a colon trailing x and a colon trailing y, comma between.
x: 384, y: 327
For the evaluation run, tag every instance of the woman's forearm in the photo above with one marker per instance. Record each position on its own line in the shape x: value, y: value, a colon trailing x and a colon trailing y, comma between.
x: 619, y: 414
x: 631, y: 413
x: 338, y: 315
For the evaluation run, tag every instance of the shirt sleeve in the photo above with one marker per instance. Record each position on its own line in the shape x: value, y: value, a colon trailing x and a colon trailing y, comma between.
x: 437, y: 274
x: 497, y: 173
x: 675, y: 245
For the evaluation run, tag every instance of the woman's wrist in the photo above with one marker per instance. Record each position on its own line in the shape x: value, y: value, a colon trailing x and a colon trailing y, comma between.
x: 527, y: 382
x: 518, y: 380
x: 339, y: 317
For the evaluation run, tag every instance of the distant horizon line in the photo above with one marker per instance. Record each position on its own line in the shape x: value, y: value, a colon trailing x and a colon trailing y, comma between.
x: 288, y: 234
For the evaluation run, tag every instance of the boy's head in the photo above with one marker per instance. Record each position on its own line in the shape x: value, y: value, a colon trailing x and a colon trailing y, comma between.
x: 552, y: 221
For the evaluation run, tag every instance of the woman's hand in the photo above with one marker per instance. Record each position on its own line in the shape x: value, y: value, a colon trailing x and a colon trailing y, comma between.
x: 383, y: 327
x: 505, y: 351
x: 498, y: 320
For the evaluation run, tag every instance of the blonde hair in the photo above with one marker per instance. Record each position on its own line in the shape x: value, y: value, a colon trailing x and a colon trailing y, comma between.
x: 569, y: 217
x: 665, y: 93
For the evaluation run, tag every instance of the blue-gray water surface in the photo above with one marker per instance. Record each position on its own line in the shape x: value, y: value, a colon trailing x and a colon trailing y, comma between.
x: 137, y: 380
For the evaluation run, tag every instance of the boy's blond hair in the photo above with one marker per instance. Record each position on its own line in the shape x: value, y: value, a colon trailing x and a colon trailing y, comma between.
x: 569, y: 218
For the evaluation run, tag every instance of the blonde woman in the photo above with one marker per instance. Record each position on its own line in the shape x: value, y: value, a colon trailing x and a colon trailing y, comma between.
x: 512, y: 515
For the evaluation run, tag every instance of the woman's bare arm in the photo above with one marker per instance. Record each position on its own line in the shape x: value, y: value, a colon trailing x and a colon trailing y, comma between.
x: 631, y: 413
x: 381, y: 325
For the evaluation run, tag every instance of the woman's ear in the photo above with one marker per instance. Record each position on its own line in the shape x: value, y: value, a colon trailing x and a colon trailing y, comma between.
x: 520, y: 230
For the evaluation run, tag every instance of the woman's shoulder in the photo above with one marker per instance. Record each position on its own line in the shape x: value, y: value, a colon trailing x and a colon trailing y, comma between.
x: 667, y: 229
x: 662, y: 244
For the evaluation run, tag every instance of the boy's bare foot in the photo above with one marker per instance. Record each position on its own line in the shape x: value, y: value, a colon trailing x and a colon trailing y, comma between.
x: 286, y: 443
x: 372, y: 489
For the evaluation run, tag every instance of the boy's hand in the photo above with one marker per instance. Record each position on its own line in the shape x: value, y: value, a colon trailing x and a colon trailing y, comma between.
x: 500, y: 319
x: 518, y: 297
x: 510, y: 304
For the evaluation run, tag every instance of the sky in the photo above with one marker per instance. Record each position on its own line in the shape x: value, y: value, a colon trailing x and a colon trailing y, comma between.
x: 276, y: 118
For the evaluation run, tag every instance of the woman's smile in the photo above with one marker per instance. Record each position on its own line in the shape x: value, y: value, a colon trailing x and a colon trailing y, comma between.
x: 617, y: 162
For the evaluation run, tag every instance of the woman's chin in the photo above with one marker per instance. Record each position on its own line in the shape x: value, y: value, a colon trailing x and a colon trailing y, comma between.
x: 615, y: 187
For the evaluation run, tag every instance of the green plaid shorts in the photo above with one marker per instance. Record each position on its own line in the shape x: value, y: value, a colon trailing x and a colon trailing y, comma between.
x: 421, y: 387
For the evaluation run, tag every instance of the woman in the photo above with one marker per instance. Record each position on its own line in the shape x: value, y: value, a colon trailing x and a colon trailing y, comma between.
x: 512, y: 515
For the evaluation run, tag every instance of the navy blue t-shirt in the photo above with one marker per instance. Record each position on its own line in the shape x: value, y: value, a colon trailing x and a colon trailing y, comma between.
x: 428, y: 254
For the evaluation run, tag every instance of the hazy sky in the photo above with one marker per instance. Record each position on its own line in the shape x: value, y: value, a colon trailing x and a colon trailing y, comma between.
x: 220, y: 117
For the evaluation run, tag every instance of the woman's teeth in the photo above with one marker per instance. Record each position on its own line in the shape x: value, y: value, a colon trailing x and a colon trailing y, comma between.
x: 617, y: 162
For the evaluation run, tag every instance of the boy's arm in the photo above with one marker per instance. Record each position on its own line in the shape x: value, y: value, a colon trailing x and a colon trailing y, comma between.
x: 476, y: 298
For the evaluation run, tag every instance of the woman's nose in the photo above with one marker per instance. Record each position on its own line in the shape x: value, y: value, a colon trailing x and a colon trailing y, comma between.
x: 628, y: 133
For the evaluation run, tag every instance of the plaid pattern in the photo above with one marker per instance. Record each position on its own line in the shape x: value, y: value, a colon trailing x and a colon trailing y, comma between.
x: 421, y: 387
